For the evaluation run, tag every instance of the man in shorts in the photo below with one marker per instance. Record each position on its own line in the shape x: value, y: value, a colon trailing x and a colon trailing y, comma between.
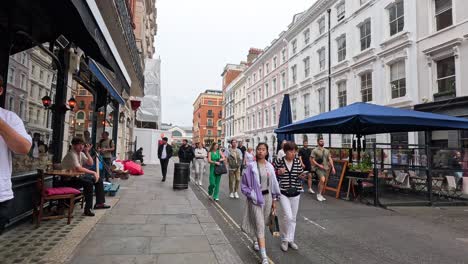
x: 322, y: 161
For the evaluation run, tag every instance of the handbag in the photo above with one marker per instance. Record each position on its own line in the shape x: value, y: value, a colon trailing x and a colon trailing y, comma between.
x: 273, y: 225
x: 220, y: 169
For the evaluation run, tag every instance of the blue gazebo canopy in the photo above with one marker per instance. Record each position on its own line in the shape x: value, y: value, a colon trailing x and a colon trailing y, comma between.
x: 366, y: 119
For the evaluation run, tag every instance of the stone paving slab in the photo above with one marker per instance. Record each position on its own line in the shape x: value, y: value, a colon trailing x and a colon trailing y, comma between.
x: 152, y: 223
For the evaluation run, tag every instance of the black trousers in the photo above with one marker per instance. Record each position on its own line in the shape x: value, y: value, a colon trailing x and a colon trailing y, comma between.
x: 164, y: 163
x: 108, y: 161
x: 87, y: 183
x: 4, y: 208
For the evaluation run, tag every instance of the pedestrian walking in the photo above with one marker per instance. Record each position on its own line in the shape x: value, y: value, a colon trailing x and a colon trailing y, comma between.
x: 200, y: 162
x: 261, y: 188
x: 185, y: 153
x: 214, y: 158
x: 234, y: 157
x: 249, y: 157
x: 288, y: 171
x: 164, y: 154
x: 304, y: 156
x: 322, y: 161
x: 13, y: 139
x: 281, y: 153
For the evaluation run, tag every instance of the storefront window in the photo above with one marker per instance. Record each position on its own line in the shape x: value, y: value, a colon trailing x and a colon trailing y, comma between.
x: 23, y: 96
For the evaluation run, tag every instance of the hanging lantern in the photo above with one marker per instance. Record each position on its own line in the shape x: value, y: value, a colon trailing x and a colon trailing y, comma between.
x: 46, y: 101
x: 135, y: 104
x: 71, y: 103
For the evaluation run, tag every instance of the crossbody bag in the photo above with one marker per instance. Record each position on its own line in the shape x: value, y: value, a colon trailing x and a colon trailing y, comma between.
x: 260, y: 179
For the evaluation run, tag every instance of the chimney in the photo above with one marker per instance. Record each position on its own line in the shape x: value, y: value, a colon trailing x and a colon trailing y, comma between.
x: 253, y: 54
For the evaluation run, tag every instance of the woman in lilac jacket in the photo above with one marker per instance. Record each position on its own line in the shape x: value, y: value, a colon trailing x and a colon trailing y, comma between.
x: 261, y: 188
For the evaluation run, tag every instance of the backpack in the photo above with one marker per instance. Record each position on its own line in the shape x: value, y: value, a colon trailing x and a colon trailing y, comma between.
x: 232, y: 161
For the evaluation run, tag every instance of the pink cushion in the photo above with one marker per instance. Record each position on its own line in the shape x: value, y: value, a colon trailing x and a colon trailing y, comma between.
x: 367, y: 184
x: 61, y: 191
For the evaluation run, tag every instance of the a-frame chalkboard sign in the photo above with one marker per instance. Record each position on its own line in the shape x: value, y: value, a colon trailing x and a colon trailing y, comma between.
x: 334, y: 181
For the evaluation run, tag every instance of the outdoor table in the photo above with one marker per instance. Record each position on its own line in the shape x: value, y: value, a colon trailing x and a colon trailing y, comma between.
x: 64, y: 173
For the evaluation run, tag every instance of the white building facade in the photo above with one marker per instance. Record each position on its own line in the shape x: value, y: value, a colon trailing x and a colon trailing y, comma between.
x: 266, y: 84
x: 442, y: 43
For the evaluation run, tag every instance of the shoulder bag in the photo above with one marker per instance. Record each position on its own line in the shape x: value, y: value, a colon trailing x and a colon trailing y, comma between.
x: 221, y: 168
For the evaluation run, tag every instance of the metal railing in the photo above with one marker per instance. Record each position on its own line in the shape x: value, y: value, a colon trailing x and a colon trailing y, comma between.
x: 130, y: 37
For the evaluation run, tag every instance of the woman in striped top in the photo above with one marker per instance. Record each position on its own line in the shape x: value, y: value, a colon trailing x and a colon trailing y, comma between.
x: 288, y: 171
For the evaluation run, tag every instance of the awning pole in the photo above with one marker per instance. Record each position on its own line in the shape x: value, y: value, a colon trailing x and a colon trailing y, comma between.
x: 428, y: 138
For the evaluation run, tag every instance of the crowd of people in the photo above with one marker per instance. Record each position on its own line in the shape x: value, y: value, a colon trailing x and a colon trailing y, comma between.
x: 264, y: 180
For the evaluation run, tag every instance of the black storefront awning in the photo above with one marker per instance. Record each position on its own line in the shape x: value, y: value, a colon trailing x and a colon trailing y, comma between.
x: 46, y: 20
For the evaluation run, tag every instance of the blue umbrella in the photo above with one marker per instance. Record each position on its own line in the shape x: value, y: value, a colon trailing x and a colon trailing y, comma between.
x: 284, y: 120
x: 367, y: 119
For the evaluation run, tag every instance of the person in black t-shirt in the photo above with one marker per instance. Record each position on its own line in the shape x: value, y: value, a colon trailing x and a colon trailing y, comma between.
x: 304, y: 156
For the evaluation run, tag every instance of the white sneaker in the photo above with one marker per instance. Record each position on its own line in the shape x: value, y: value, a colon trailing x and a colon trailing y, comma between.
x: 236, y: 195
x: 311, y: 191
x: 256, y: 247
x: 284, y: 246
x: 231, y: 195
x: 265, y: 261
x: 293, y: 245
x: 323, y: 198
x: 200, y: 183
x: 320, y: 198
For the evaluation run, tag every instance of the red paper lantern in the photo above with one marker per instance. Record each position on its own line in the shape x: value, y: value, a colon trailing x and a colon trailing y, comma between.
x: 135, y: 104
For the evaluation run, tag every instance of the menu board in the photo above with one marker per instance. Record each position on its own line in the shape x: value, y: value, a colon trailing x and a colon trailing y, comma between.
x: 334, y: 181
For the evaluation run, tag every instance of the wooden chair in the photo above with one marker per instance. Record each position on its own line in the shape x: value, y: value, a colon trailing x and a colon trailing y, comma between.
x: 47, y: 194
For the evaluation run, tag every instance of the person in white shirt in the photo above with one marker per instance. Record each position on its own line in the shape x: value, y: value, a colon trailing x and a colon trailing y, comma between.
x: 281, y: 154
x: 200, y: 162
x: 13, y: 139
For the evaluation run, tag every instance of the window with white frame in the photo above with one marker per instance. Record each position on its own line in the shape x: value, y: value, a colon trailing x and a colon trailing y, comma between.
x: 267, y: 90
x: 396, y: 16
x: 341, y: 41
x: 306, y: 36
x: 294, y: 46
x: 254, y: 97
x: 249, y: 81
x: 267, y: 66
x: 365, y: 31
x: 283, y: 80
x: 260, y: 96
x: 273, y: 115
x: 260, y: 71
x: 11, y: 75
x: 306, y: 67
x: 293, y: 108
x: 23, y: 82
x: 254, y: 123
x: 283, y: 55
x: 321, y: 93
x: 398, y: 79
x: 306, y: 101
x: 443, y: 13
x: 273, y: 84
x: 346, y: 141
x: 321, y: 55
x: 446, y: 75
x: 267, y: 117
x: 366, y: 87
x: 370, y: 141
x: 254, y: 77
x: 321, y: 25
x: 342, y: 97
x: 275, y: 62
x: 340, y: 11
x: 259, y: 119
x: 294, y: 73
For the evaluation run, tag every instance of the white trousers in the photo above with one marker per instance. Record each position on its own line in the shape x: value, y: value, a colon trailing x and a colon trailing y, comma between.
x: 199, y: 169
x: 287, y: 215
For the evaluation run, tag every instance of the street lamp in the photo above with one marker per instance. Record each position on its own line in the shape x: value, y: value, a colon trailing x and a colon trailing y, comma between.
x: 47, y: 103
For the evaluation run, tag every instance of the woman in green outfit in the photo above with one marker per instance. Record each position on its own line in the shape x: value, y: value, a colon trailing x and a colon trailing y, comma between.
x: 214, y: 158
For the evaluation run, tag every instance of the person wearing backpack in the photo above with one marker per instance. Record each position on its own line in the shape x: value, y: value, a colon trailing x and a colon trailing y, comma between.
x: 234, y: 157
x: 106, y: 147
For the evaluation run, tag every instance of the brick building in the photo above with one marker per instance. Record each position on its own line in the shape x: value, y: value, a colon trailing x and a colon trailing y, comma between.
x: 207, y: 117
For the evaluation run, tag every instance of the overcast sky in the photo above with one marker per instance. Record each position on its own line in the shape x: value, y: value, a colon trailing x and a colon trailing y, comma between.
x: 196, y: 38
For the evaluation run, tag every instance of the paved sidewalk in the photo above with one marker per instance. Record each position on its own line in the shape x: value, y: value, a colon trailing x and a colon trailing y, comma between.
x: 152, y: 223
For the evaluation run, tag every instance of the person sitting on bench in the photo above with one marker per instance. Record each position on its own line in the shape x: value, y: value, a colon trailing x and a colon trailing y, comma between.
x: 76, y: 159
x: 138, y: 155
